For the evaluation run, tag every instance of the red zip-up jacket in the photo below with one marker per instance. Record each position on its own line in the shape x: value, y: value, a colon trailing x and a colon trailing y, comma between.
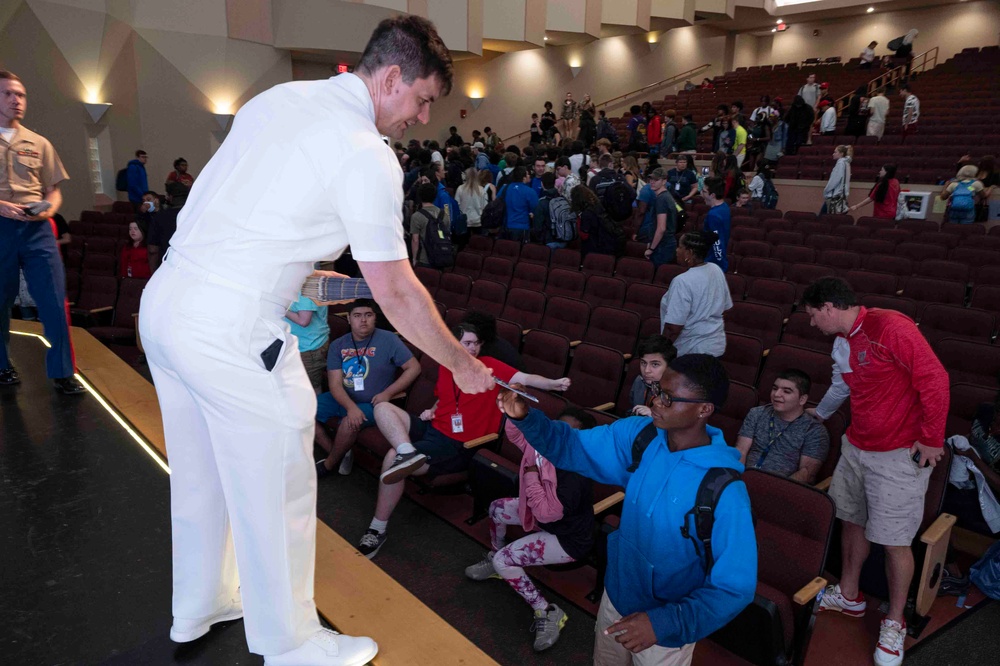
x: 898, y: 387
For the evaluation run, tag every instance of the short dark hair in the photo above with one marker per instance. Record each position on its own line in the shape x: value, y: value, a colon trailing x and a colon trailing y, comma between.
x: 465, y: 327
x: 363, y: 303
x: 657, y: 344
x: 452, y: 129
x: 798, y: 377
x: 715, y: 186
x: 427, y: 192
x: 742, y: 191
x: 487, y: 129
x: 10, y: 76
x: 832, y: 290
x: 606, y: 161
x: 548, y: 180
x: 140, y: 153
x: 538, y: 158
x: 484, y: 323
x: 411, y: 43
x: 179, y: 161
x: 699, y: 242
x: 587, y: 420
x: 705, y: 374
x: 562, y: 162
x: 518, y: 174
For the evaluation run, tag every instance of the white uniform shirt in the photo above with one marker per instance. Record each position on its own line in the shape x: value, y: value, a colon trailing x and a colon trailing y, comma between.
x: 829, y: 121
x: 303, y: 174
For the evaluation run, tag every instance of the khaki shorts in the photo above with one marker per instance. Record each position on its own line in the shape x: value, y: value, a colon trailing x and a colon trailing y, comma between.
x: 882, y: 491
x: 609, y: 652
x: 315, y: 364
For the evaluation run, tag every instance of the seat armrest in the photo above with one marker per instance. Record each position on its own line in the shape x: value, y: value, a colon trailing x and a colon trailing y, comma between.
x: 575, y: 343
x: 628, y: 357
x: 939, y: 530
x: 604, y: 407
x: 479, y: 441
x: 824, y: 485
x: 809, y: 591
x: 608, y: 502
x: 106, y: 308
x: 398, y: 396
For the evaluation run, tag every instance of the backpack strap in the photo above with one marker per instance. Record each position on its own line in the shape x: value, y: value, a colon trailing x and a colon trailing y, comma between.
x: 640, y: 444
x: 715, y: 481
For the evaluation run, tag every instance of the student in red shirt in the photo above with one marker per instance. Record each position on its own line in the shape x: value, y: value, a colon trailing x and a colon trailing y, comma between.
x: 134, y: 261
x: 885, y: 194
x: 899, y: 402
x: 434, y: 443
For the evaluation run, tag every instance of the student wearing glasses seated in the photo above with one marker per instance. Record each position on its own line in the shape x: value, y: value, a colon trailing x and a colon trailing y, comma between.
x: 658, y: 600
x: 780, y: 437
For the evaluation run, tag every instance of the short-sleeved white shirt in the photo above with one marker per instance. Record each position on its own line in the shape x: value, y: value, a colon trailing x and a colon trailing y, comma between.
x: 303, y: 174
x: 696, y: 300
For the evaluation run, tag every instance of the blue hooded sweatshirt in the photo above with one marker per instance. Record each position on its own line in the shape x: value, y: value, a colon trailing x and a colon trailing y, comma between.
x: 652, y: 568
x: 138, y: 185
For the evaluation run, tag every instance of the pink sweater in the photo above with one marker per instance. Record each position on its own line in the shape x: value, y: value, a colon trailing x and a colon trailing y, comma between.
x: 538, y: 500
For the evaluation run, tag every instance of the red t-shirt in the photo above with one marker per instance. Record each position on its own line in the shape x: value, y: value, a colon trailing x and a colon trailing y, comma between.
x: 136, y: 259
x: 899, y: 389
x: 887, y: 209
x: 480, y: 415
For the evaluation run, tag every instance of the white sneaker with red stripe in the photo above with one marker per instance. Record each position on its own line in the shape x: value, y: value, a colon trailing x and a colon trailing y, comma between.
x: 834, y: 600
x: 889, y: 651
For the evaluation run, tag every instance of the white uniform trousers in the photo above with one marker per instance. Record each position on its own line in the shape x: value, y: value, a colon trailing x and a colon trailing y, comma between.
x: 239, y: 440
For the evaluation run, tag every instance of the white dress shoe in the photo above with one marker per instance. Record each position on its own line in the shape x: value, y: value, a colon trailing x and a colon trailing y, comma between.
x: 185, y: 631
x: 327, y: 648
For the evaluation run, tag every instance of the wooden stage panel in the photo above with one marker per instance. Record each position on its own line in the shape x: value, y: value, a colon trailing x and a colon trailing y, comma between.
x: 352, y: 593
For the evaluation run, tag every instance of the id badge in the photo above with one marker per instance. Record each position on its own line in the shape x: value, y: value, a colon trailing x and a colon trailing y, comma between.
x: 359, y: 383
x: 456, y: 424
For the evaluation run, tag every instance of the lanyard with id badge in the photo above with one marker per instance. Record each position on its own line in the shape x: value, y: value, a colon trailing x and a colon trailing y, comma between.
x: 359, y: 382
x: 457, y: 426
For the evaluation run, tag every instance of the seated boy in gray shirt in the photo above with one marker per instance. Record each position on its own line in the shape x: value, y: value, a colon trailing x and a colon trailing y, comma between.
x: 780, y: 437
x: 654, y: 353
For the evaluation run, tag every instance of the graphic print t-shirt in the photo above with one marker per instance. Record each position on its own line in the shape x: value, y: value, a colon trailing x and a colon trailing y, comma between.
x: 373, y: 359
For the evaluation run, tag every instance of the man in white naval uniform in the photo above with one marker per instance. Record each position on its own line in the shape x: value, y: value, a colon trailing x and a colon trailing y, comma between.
x: 303, y: 174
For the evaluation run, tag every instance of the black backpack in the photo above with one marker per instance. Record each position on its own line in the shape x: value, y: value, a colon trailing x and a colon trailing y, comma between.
x: 769, y: 195
x: 715, y: 481
x: 437, y: 243
x: 121, y: 180
x: 495, y: 213
x: 617, y: 196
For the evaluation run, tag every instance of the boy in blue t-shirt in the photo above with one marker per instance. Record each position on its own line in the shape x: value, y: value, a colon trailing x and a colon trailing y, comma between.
x: 718, y: 220
x: 362, y: 368
x: 309, y: 324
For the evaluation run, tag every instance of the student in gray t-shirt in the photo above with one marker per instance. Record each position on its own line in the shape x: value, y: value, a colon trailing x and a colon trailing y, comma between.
x: 780, y: 437
x: 654, y: 353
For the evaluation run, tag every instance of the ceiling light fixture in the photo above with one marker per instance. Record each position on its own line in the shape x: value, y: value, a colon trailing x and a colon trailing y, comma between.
x: 780, y: 21
x: 545, y: 38
x: 871, y: 9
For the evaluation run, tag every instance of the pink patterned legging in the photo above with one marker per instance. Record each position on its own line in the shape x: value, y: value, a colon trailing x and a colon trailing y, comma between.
x: 537, y: 548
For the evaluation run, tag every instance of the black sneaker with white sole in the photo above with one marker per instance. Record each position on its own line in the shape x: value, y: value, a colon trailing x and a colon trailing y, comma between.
x: 403, y: 465
x: 371, y: 542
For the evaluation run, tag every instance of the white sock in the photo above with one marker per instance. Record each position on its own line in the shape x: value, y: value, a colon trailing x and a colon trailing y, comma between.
x: 405, y: 448
x: 378, y: 525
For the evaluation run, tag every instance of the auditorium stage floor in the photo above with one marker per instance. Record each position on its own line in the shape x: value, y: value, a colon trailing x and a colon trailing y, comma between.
x: 85, y: 536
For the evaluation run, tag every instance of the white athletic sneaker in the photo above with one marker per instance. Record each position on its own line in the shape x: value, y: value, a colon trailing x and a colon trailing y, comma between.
x: 834, y: 600
x: 327, y: 648
x: 346, y: 463
x: 185, y: 631
x: 889, y: 651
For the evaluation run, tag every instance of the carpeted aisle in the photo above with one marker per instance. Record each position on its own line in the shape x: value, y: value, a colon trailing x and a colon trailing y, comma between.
x: 972, y: 639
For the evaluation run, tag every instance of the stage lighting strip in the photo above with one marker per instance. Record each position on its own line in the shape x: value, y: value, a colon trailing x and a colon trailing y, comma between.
x: 110, y: 410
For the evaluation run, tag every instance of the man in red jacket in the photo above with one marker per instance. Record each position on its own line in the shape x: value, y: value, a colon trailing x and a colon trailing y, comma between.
x: 899, y: 402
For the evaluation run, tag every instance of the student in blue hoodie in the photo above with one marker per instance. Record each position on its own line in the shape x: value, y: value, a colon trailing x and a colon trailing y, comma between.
x: 658, y: 600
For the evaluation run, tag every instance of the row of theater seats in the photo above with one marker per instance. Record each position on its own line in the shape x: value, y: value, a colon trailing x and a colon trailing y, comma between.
x: 106, y: 307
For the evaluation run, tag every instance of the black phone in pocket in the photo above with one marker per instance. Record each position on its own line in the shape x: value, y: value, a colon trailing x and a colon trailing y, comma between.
x: 270, y: 355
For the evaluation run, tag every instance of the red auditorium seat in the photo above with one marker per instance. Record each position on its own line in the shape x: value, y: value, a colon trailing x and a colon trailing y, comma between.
x: 969, y: 362
x: 953, y: 321
x: 488, y: 297
x: 986, y: 297
x: 785, y: 237
x: 840, y: 259
x: 525, y: 308
x: 737, y: 286
x: 756, y: 320
x: 943, y: 240
x: 565, y: 258
x: 497, y: 269
x: 917, y: 227
x: 634, y: 270
x: 751, y: 248
x: 122, y: 328
x: 781, y: 224
x: 964, y: 403
x: 946, y: 270
x: 429, y: 277
x: 800, y: 215
x: 468, y: 263
x: 533, y: 253
x: 563, y: 282
x: 907, y: 306
x: 875, y: 223
x: 765, y: 214
x: 964, y: 230
x: 635, y: 249
x: 644, y: 299
x: 933, y: 290
x: 507, y: 249
x: 756, y: 267
x: 820, y: 242
x: 480, y: 245
x: 805, y: 274
x: 778, y: 293
x: 991, y: 243
x: 101, y: 245
x: 818, y: 365
x: 601, y: 290
x: 529, y: 276
x: 809, y: 228
x: 742, y: 398
x: 742, y: 358
x: 918, y: 251
x: 866, y: 246
x: 599, y: 264
x: 566, y: 316
x: 545, y: 353
x: 98, y: 294
x: 740, y: 234
x: 794, y: 254
x: 614, y: 328
x: 666, y: 273
x: 454, y: 316
x: 650, y: 326
x: 799, y: 332
x: 888, y: 263
x: 453, y: 291
x: 596, y: 373
x: 835, y: 220
x: 870, y: 282
x: 975, y: 257
x: 895, y: 236
x: 99, y: 264
x: 986, y: 275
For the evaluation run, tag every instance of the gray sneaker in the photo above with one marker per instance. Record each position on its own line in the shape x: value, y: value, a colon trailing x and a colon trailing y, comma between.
x: 371, y: 543
x: 547, y: 625
x: 483, y: 569
x: 346, y: 463
x: 403, y: 465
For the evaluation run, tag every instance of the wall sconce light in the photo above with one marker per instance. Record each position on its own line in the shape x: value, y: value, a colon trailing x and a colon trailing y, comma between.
x: 223, y: 120
x: 575, y: 70
x: 96, y: 110
x: 575, y: 66
x: 476, y: 101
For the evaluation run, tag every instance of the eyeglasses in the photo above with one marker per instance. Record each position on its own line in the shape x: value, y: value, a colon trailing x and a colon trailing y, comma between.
x: 667, y: 399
